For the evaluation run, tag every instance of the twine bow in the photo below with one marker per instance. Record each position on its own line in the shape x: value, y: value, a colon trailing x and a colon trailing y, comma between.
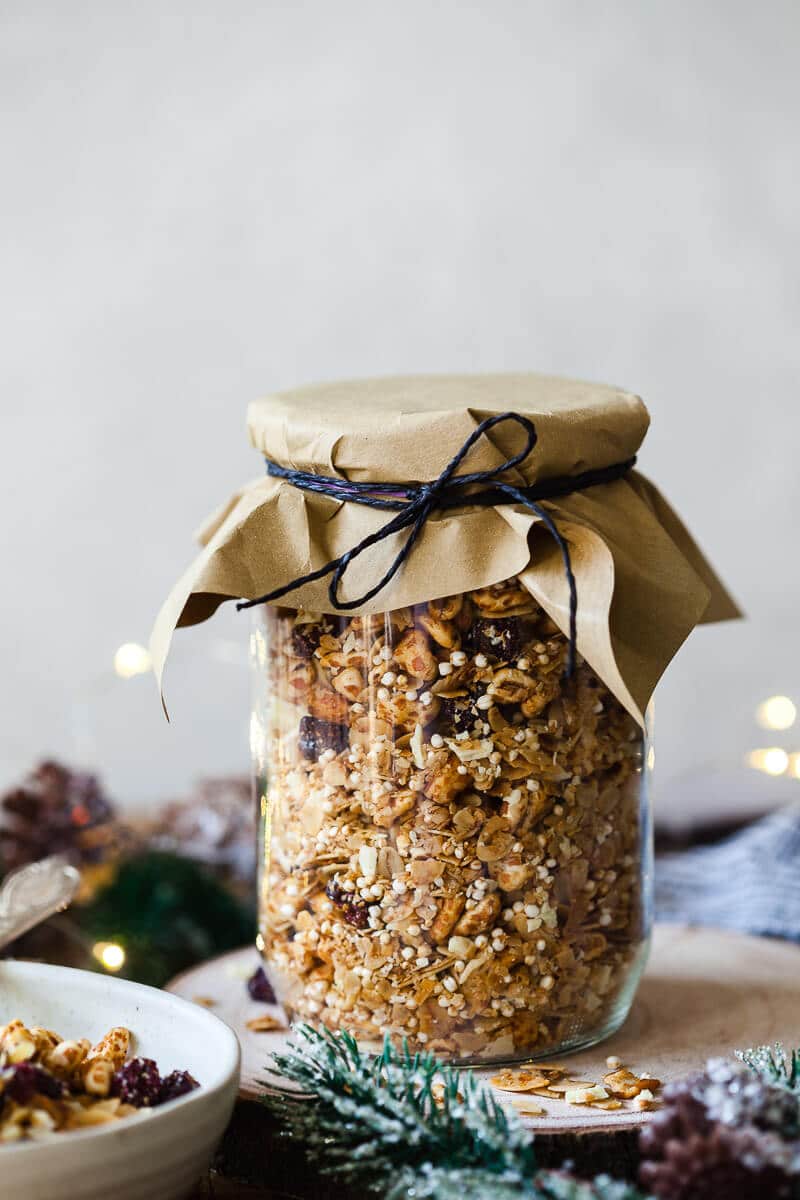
x: 415, y: 503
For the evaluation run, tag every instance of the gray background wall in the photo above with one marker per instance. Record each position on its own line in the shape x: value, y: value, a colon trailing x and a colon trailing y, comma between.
x: 202, y: 202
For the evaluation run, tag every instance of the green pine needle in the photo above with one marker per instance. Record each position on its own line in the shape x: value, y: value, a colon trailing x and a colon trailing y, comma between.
x: 558, y: 1185
x: 475, y: 1183
x: 774, y: 1064
x: 404, y: 1125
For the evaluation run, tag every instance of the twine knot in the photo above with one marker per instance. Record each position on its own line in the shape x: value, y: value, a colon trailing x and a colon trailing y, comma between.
x: 415, y: 503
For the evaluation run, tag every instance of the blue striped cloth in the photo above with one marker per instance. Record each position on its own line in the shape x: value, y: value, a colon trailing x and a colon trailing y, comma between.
x: 749, y: 882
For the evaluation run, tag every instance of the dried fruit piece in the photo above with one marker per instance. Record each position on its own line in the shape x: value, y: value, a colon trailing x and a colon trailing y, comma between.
x: 353, y: 910
x: 317, y: 735
x: 304, y: 640
x: 260, y: 988
x: 500, y: 637
x: 24, y: 1080
x: 137, y: 1083
x: 458, y: 713
x: 177, y: 1083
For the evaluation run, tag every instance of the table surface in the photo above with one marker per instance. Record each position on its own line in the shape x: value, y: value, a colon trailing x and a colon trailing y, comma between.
x: 705, y: 992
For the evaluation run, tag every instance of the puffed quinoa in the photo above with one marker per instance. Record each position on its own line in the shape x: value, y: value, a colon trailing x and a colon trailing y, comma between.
x: 461, y: 836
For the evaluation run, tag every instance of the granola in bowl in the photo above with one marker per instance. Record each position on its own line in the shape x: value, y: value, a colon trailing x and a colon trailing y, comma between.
x: 50, y: 1084
x: 454, y: 850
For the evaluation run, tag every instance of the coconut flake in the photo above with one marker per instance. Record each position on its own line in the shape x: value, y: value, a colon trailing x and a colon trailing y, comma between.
x: 416, y: 746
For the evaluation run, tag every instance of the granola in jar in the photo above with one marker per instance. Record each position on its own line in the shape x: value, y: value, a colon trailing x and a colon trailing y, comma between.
x: 454, y: 848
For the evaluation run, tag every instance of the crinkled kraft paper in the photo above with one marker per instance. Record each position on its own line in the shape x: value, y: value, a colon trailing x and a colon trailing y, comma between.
x: 643, y: 584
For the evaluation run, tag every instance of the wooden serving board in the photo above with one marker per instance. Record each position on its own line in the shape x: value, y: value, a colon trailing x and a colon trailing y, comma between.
x: 705, y: 992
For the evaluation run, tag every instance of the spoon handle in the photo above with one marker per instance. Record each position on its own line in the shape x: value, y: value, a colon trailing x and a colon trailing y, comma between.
x: 33, y: 893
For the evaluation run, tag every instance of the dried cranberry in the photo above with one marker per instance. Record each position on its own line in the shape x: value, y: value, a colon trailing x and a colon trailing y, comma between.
x: 460, y: 714
x: 305, y: 639
x: 498, y: 637
x: 24, y: 1080
x: 260, y: 987
x: 178, y: 1083
x: 356, y: 914
x: 137, y: 1083
x: 317, y: 735
x: 353, y: 910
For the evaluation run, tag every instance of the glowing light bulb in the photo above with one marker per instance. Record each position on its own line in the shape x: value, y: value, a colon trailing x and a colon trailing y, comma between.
x: 132, y: 659
x: 109, y: 954
x: 794, y: 765
x: 772, y: 761
x: 778, y: 712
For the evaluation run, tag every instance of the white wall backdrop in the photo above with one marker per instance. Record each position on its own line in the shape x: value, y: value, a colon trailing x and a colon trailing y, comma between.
x: 202, y: 202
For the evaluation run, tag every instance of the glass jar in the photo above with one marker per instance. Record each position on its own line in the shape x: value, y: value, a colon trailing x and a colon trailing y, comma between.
x: 455, y: 842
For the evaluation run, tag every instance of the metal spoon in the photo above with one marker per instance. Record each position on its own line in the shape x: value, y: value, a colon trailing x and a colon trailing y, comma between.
x: 33, y: 893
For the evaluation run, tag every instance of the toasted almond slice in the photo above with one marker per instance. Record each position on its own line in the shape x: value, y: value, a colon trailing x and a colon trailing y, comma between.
x: 518, y: 1081
x: 623, y: 1083
x: 607, y: 1104
x: 586, y: 1095
x: 265, y: 1024
x: 523, y: 1105
x: 568, y: 1085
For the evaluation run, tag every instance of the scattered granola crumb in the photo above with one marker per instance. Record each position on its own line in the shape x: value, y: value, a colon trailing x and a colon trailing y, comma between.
x: 266, y: 1024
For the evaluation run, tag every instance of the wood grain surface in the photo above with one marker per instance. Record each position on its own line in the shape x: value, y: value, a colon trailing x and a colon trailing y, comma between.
x: 705, y: 992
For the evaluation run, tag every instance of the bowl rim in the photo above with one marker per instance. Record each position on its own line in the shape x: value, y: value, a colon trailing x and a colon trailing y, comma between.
x: 228, y: 1047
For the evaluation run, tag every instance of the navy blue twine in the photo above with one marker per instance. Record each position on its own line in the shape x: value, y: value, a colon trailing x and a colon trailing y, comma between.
x: 415, y: 503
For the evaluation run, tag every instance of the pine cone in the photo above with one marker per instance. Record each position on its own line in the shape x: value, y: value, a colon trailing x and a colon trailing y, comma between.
x: 215, y: 826
x: 723, y: 1133
x: 56, y: 811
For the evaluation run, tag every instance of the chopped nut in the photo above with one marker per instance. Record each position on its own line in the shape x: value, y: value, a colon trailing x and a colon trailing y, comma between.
x: 481, y: 917
x: 623, y: 1083
x: 266, y: 1024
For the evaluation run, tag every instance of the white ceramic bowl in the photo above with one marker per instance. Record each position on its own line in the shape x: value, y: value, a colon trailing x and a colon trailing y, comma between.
x: 155, y: 1155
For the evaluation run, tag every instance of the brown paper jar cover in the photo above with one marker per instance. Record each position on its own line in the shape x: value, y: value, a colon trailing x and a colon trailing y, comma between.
x: 643, y: 584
